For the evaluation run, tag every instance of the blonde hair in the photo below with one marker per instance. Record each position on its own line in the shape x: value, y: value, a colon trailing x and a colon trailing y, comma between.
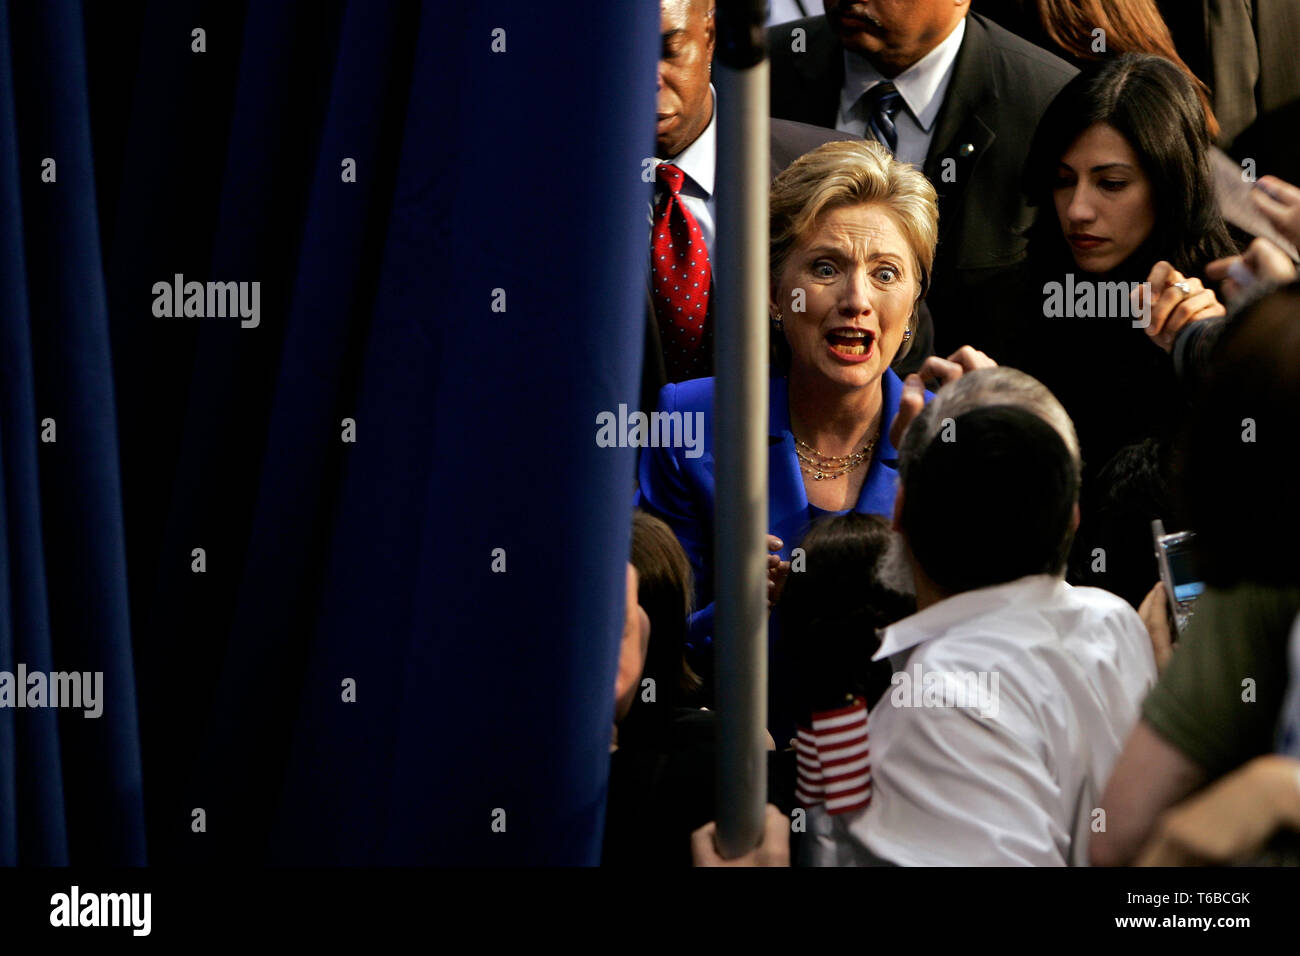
x: 853, y: 173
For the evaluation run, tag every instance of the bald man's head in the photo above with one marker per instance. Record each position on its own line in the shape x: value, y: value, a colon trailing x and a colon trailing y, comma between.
x: 685, y: 104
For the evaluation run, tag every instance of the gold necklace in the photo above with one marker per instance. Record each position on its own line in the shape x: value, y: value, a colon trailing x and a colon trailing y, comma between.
x: 823, y: 467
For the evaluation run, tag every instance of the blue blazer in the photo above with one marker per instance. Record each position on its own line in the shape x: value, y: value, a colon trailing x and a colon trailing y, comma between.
x: 681, y: 490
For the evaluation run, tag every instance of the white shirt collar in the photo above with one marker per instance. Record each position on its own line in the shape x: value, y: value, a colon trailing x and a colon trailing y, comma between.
x: 699, y: 160
x: 922, y: 85
x: 937, y: 619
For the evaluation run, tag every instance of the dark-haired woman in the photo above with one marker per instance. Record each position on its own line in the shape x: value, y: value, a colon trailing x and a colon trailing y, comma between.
x: 663, y: 757
x: 660, y: 781
x: 1120, y: 174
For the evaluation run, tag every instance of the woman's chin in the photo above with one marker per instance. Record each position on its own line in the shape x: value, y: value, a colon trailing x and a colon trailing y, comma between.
x: 1093, y: 265
x: 847, y: 374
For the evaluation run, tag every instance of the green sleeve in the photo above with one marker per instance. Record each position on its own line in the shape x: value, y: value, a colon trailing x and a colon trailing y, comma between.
x: 1202, y: 703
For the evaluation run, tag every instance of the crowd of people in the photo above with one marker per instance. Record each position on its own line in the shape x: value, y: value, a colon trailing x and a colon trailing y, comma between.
x: 1016, y: 317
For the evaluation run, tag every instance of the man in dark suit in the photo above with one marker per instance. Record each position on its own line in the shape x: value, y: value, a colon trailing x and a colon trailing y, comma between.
x: 948, y: 90
x: 686, y: 138
x: 1244, y: 52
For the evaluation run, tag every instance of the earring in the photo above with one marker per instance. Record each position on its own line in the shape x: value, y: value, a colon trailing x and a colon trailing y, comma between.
x: 907, y: 333
x: 777, y: 321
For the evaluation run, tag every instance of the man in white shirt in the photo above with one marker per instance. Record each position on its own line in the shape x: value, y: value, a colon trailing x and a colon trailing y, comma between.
x: 1013, y: 692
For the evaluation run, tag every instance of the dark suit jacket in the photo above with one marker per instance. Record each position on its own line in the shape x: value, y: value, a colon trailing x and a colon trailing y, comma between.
x: 788, y: 141
x: 1244, y: 52
x: 1000, y: 87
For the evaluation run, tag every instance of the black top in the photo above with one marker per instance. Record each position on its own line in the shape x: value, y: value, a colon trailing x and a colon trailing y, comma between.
x: 1117, y: 385
x: 659, y: 795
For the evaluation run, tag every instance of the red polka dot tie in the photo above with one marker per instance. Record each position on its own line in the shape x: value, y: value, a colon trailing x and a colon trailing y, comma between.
x: 680, y: 278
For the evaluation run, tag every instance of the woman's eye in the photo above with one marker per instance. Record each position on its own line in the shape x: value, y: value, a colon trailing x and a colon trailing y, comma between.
x: 1113, y: 185
x: 823, y: 270
x: 887, y: 274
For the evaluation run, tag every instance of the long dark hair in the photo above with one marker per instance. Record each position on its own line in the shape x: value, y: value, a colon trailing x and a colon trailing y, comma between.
x: 1154, y: 106
x: 664, y: 591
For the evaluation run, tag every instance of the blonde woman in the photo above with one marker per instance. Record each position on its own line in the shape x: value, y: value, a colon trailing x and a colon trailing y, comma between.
x: 853, y: 234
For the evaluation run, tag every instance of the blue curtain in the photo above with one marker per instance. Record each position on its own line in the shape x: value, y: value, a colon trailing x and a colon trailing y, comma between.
x: 470, y: 303
x: 70, y: 786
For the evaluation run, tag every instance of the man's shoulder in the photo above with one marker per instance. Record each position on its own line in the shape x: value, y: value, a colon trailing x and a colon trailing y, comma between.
x: 1025, y: 627
x: 1017, y: 56
x: 1099, y: 600
x: 1025, y: 78
x: 780, y: 36
x: 790, y: 140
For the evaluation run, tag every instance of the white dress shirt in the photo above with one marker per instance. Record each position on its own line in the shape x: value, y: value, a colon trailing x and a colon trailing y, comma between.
x: 1015, y: 780
x: 699, y: 162
x: 922, y: 87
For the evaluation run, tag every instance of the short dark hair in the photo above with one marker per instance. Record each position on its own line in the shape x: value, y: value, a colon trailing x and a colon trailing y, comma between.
x: 990, y: 500
x: 1240, y: 442
x: 1132, y: 489
x: 1154, y: 106
x: 831, y: 610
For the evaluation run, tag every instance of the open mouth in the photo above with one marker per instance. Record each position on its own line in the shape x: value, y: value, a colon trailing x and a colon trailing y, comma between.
x: 850, y: 342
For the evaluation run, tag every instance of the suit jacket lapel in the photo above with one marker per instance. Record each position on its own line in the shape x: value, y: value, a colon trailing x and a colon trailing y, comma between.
x: 960, y: 134
x: 880, y: 487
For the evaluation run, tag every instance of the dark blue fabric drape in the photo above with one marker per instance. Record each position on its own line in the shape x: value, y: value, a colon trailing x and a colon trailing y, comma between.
x: 70, y: 786
x: 476, y: 691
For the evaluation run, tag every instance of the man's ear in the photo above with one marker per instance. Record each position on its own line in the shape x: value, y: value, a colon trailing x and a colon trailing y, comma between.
x: 1074, y: 518
x: 711, y: 30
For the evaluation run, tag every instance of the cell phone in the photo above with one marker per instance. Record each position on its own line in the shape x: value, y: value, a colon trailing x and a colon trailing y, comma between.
x: 1183, y: 585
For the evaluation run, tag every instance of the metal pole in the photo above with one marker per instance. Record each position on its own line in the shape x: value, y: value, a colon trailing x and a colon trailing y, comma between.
x: 740, y: 416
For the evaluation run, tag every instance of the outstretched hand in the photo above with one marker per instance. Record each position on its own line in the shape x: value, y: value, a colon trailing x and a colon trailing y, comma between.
x: 1262, y: 261
x: 940, y: 372
x: 772, y: 850
x: 777, y: 571
x: 1279, y: 201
